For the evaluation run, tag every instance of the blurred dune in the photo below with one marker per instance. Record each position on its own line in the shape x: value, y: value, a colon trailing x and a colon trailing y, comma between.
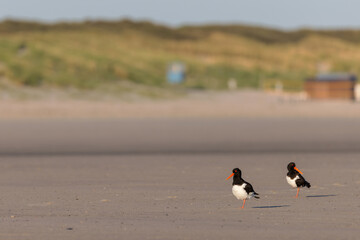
x: 110, y: 55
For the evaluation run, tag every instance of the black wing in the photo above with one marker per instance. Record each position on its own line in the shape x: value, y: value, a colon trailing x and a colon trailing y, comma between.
x: 249, y: 188
x: 301, y: 182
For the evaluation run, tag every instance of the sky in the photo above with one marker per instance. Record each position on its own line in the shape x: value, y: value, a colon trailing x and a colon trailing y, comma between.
x: 283, y: 14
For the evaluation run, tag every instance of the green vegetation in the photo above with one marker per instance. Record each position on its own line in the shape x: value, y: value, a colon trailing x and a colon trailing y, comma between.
x: 91, y: 55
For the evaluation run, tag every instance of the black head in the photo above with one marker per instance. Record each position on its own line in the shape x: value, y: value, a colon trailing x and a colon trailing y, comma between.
x: 237, y: 171
x: 291, y: 166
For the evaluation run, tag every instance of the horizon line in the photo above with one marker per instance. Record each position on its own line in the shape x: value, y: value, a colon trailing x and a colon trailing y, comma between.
x: 175, y: 26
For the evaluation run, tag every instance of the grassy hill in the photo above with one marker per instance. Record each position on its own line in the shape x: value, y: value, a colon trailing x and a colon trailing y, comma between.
x: 90, y: 55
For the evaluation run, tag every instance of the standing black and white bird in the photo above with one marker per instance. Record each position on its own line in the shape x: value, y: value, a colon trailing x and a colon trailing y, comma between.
x: 241, y: 189
x: 295, y: 179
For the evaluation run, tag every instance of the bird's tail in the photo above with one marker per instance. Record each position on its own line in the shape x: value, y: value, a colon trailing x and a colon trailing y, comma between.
x: 307, y: 184
x: 257, y: 197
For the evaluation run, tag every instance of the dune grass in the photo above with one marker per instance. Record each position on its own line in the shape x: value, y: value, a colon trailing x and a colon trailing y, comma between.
x: 89, y: 55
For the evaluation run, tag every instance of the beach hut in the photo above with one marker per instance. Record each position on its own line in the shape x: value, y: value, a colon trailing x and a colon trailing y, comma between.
x: 331, y: 86
x: 176, y: 72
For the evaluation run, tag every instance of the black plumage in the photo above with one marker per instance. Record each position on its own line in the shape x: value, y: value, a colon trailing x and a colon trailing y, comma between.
x: 237, y: 180
x: 295, y: 179
x: 241, y: 189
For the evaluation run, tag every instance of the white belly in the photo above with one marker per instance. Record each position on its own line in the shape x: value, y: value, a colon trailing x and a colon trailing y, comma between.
x: 292, y: 182
x: 239, y: 192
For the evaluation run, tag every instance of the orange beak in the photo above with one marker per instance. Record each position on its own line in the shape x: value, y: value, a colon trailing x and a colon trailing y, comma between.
x: 298, y: 170
x: 230, y: 176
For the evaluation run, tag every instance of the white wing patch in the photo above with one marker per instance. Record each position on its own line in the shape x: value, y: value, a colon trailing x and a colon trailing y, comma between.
x: 292, y: 182
x: 240, y: 193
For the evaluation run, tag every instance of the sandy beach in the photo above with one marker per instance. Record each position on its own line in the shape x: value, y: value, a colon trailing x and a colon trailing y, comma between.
x: 246, y: 103
x: 177, y: 197
x: 161, y: 175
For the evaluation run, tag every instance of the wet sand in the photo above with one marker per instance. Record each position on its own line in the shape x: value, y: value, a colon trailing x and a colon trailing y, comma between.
x: 177, y: 197
x: 165, y: 178
x: 156, y: 169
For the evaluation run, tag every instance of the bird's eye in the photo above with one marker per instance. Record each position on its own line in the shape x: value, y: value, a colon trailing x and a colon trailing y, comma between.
x: 235, y: 171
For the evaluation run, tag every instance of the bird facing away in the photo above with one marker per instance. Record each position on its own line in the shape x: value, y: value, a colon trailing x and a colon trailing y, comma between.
x: 241, y: 189
x: 295, y: 179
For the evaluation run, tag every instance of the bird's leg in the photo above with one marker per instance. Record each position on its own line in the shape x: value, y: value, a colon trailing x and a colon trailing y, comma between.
x: 243, y: 204
x: 297, y: 194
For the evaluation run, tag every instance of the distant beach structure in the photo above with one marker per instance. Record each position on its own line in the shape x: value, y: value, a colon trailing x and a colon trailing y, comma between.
x: 331, y: 86
x: 176, y: 72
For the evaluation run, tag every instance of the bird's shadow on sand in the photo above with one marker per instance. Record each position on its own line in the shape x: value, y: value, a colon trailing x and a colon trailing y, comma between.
x: 274, y: 206
x: 327, y: 195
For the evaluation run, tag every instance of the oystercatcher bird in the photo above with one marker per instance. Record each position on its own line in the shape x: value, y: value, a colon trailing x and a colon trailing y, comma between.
x: 241, y: 189
x: 295, y: 179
